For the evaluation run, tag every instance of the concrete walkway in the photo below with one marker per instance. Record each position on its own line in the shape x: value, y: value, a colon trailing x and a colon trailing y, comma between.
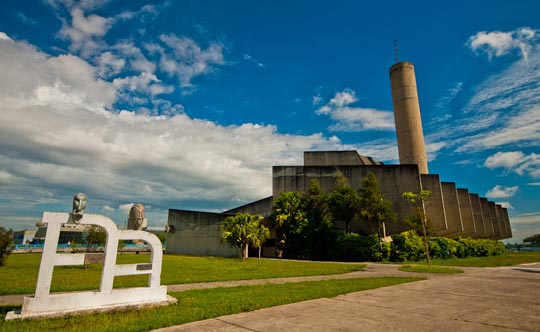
x: 481, y: 299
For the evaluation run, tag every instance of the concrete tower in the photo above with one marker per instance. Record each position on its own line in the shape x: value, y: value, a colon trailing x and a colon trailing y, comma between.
x: 410, y: 137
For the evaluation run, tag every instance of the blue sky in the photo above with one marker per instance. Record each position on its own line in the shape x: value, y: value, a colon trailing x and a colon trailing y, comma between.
x: 188, y: 104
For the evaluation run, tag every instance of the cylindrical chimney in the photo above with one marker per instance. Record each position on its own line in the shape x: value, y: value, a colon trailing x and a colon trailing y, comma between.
x: 410, y: 137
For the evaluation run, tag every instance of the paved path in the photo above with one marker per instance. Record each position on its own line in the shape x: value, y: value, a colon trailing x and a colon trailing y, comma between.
x: 481, y: 299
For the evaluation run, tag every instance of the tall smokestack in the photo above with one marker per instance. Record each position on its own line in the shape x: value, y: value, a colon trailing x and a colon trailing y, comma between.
x: 410, y: 137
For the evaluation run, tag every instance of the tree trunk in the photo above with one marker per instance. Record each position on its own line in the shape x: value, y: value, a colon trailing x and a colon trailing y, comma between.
x: 245, y: 248
x: 426, y: 246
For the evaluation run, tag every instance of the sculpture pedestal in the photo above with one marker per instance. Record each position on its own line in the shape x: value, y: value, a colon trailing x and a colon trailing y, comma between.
x: 62, y: 304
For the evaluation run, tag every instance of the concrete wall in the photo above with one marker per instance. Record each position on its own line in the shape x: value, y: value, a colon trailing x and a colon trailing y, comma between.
x: 261, y: 207
x: 434, y: 206
x: 393, y: 179
x: 500, y: 220
x: 465, y: 207
x: 451, y: 209
x: 486, y: 214
x: 336, y: 158
x: 507, y: 223
x: 198, y: 234
x: 478, y: 218
x: 494, y: 223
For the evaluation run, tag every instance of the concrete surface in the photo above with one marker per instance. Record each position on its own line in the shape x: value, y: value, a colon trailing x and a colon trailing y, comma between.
x: 481, y: 299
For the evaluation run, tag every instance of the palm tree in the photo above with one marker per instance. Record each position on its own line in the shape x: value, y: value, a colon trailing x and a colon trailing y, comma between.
x: 287, y: 211
x: 244, y: 230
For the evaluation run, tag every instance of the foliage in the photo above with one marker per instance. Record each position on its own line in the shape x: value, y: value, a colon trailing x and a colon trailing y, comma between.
x: 343, y: 202
x: 203, y: 304
x: 244, y: 230
x: 318, y: 232
x: 162, y: 237
x: 427, y: 269
x: 96, y: 236
x: 374, y: 207
x: 406, y: 246
x: 533, y: 239
x: 302, y: 223
x: 352, y: 247
x: 287, y: 215
x: 6, y: 239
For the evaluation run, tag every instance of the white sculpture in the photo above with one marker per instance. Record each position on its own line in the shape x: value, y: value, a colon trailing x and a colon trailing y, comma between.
x: 45, y: 304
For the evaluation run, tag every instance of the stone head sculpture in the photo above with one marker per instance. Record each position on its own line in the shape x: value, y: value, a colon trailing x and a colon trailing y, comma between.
x: 79, y: 204
x: 136, y: 219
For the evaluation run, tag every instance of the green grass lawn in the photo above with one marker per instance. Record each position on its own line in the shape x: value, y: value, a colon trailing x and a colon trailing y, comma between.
x: 19, y: 275
x: 432, y: 269
x: 507, y: 259
x: 202, y: 304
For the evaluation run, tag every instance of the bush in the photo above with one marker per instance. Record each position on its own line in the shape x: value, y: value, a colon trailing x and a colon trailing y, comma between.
x: 407, y: 246
x: 353, y: 247
x: 5, y: 243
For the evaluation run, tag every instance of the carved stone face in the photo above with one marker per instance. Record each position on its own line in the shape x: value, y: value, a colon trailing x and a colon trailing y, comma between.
x: 136, y: 217
x: 79, y: 203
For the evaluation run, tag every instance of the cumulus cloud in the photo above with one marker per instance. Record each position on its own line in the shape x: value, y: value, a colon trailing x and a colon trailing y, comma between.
x: 506, y: 205
x: 497, y: 43
x: 351, y: 119
x: 502, y: 192
x: 515, y: 161
x: 4, y: 36
x: 60, y: 134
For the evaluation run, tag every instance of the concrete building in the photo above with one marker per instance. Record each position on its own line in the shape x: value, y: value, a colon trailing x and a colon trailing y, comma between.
x: 23, y: 237
x: 451, y: 211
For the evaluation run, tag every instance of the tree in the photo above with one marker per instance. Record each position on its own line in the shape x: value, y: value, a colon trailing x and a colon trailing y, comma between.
x: 96, y: 236
x: 533, y: 239
x: 374, y: 207
x: 343, y: 202
x: 287, y: 213
x: 316, y: 234
x: 244, y: 230
x: 419, y: 217
x: 6, y: 238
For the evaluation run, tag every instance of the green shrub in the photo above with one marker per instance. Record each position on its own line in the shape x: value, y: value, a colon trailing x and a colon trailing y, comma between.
x: 5, y: 242
x: 353, y: 247
x: 406, y: 246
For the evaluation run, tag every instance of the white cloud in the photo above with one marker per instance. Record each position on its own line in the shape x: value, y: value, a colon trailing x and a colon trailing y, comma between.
x: 59, y: 136
x: 109, y: 64
x: 503, y: 110
x: 504, y: 159
x: 502, y: 192
x: 517, y: 162
x: 506, y: 205
x: 124, y: 208
x: 186, y: 59
x: 527, y: 218
x: 354, y: 118
x: 4, y: 36
x: 497, y: 43
x: 107, y: 208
